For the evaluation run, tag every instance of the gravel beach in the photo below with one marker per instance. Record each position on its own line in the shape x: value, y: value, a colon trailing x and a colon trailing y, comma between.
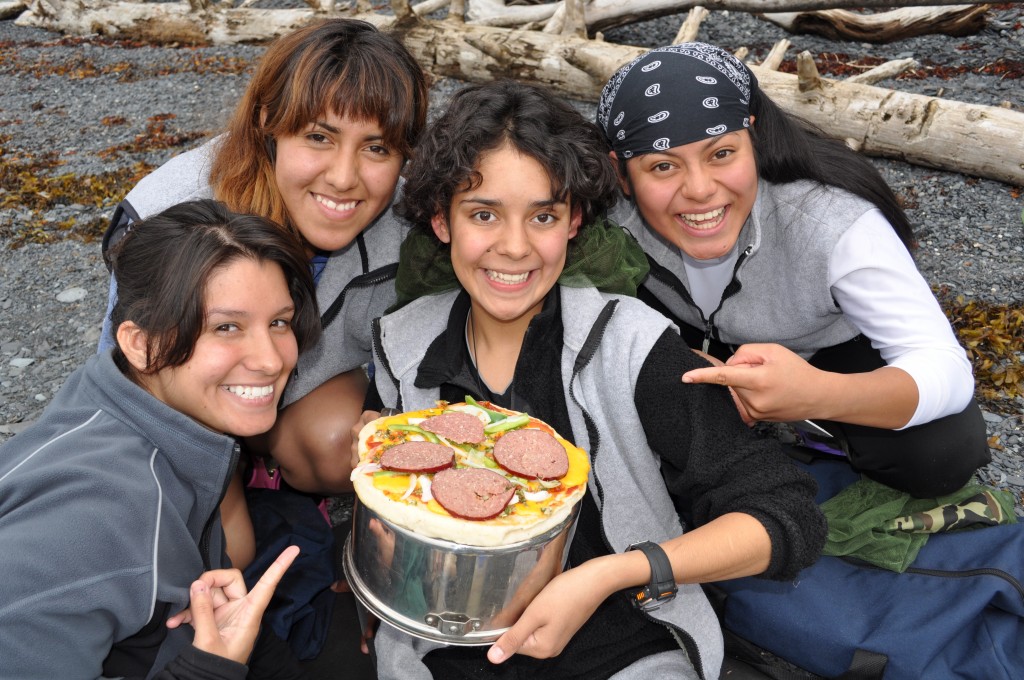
x: 85, y: 107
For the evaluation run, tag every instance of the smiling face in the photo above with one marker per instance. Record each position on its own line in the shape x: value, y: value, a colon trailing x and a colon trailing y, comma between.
x: 335, y: 178
x: 508, y: 237
x: 698, y: 195
x: 242, y: 359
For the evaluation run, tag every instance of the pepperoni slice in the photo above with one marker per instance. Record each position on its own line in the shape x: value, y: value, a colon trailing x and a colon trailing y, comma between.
x: 458, y: 427
x: 533, y: 454
x: 417, y: 457
x: 472, y: 493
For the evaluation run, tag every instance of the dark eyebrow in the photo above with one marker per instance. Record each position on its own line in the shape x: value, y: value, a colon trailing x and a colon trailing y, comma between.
x: 549, y: 203
x: 220, y: 311
x: 711, y: 141
x: 335, y: 130
x: 494, y: 202
x: 481, y: 201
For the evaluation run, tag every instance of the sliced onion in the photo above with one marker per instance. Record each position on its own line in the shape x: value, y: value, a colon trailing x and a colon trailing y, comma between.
x: 536, y: 495
x: 473, y: 461
x: 411, y: 488
x: 416, y: 421
x: 425, y: 489
x: 473, y: 411
x: 366, y: 469
x: 518, y: 481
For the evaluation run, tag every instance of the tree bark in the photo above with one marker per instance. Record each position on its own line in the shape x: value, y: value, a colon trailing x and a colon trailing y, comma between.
x: 976, y: 140
x: 838, y: 24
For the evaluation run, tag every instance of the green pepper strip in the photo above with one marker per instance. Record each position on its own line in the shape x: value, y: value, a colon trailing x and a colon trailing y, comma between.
x: 507, y: 424
x: 430, y: 436
x: 495, y: 416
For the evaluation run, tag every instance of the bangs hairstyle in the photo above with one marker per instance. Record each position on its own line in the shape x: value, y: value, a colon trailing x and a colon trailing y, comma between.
x: 534, y: 122
x: 341, y: 66
x: 163, y: 266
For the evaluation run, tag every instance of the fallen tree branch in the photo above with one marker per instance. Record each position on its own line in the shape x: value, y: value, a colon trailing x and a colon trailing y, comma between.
x: 773, y: 60
x: 428, y: 6
x: 497, y: 13
x: 889, y: 69
x: 691, y: 27
x: 884, y: 27
x: 605, y: 14
x: 11, y: 9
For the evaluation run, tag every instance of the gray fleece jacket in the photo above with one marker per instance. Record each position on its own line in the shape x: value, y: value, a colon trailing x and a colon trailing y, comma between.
x: 783, y: 270
x: 357, y: 284
x: 626, y: 480
x: 108, y: 512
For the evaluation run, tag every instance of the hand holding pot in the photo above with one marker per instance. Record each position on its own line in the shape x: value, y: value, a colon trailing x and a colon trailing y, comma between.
x: 554, y: 616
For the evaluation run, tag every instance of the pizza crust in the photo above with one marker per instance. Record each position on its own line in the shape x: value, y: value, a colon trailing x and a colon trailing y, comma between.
x: 428, y: 519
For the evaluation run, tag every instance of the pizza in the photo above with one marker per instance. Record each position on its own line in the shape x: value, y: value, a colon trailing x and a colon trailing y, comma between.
x: 472, y: 473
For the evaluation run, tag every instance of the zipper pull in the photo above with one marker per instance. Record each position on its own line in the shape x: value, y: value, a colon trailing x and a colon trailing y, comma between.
x: 707, y: 337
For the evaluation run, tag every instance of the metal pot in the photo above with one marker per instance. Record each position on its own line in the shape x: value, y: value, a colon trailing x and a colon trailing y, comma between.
x: 448, y: 592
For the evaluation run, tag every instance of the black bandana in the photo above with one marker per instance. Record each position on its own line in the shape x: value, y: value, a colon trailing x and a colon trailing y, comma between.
x: 675, y: 95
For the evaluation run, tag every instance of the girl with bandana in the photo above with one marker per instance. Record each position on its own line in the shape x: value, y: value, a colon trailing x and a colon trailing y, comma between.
x: 518, y: 293
x: 785, y: 255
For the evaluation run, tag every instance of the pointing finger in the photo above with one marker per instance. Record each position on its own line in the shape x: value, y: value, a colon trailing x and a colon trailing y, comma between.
x: 730, y: 376
x: 263, y: 590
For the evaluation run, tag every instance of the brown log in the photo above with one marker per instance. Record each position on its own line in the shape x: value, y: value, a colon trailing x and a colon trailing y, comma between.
x: 976, y: 140
x: 884, y: 27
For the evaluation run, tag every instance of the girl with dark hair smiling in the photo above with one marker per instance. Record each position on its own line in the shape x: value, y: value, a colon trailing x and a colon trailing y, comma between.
x: 109, y: 504
x: 316, y: 144
x: 785, y: 255
x: 516, y: 292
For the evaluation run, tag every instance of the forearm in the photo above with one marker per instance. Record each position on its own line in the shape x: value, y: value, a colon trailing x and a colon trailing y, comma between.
x: 884, y: 398
x: 731, y: 546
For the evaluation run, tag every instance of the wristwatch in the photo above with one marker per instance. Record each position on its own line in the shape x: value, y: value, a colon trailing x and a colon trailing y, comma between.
x: 662, y: 587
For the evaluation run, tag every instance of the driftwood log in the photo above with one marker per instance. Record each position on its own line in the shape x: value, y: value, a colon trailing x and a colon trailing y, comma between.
x: 883, y: 27
x: 985, y: 141
x: 9, y: 9
x: 605, y: 14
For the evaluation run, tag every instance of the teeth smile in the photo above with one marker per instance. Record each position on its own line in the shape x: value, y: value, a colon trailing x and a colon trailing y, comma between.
x: 250, y: 392
x: 510, y: 279
x: 697, y: 219
x: 328, y: 203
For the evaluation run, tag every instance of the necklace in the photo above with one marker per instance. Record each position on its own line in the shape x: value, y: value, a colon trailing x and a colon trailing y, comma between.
x: 471, y: 338
x: 471, y: 346
x: 486, y: 392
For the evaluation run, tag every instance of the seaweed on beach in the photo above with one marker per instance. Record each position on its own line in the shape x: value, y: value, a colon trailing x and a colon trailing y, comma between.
x: 993, y: 335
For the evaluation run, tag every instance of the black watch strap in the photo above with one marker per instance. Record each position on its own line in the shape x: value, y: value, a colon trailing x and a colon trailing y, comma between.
x: 662, y: 587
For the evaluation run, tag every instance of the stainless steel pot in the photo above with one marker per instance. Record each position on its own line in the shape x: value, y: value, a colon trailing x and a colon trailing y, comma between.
x: 443, y: 591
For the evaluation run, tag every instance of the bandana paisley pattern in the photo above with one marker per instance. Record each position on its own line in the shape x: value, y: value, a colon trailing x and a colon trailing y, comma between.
x: 675, y: 95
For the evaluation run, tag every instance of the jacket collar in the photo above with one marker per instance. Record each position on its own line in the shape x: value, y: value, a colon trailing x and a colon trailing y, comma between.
x: 447, y: 359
